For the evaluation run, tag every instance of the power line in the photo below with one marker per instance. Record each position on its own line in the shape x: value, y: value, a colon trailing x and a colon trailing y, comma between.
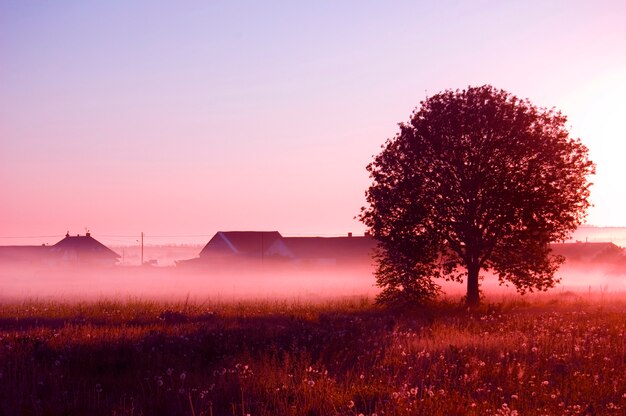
x: 138, y: 235
x: 33, y: 236
x: 151, y: 235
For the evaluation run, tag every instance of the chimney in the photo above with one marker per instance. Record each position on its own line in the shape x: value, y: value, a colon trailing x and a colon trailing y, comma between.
x: 87, y: 234
x: 349, y: 234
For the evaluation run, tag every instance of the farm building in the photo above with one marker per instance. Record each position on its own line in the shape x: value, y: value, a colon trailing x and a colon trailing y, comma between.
x: 331, y: 250
x: 270, y: 246
x: 589, y: 252
x: 82, y: 250
x: 71, y: 250
x: 245, y: 244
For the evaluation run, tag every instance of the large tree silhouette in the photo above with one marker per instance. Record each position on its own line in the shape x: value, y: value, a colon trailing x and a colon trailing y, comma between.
x: 476, y: 180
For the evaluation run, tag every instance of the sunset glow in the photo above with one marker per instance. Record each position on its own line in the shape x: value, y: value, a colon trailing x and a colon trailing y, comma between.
x: 188, y: 225
x: 599, y: 111
x: 180, y: 122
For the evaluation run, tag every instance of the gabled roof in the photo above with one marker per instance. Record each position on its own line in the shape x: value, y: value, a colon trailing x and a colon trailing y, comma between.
x: 246, y: 243
x: 85, y: 245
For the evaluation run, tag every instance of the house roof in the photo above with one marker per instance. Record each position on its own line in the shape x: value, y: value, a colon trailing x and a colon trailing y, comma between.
x: 330, y: 247
x: 84, y: 244
x: 247, y: 243
x: 587, y: 251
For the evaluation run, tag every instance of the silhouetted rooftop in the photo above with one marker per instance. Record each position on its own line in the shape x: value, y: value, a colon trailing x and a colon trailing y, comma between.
x: 587, y: 251
x: 86, y: 245
x: 330, y: 247
x: 247, y: 243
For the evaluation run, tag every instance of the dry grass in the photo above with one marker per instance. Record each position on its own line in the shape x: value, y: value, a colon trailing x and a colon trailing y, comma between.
x: 558, y: 355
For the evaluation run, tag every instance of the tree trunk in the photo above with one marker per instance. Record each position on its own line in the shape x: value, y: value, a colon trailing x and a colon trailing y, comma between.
x: 473, y: 295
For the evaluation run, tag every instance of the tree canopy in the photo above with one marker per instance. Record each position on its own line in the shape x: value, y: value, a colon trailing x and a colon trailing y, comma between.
x: 478, y: 179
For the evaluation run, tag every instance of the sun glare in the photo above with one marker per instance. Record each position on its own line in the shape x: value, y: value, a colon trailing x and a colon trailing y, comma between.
x: 597, y: 114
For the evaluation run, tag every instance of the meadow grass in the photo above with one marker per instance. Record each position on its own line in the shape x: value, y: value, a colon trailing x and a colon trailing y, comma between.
x: 562, y: 354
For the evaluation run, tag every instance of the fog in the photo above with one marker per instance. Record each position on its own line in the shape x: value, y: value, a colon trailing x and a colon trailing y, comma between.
x: 172, y: 283
x: 239, y: 282
x: 575, y: 278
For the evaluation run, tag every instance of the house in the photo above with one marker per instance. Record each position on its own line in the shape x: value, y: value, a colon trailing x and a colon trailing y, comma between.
x: 71, y: 250
x: 228, y: 247
x: 331, y: 250
x: 245, y: 245
x: 589, y: 252
x: 82, y: 250
x: 250, y: 247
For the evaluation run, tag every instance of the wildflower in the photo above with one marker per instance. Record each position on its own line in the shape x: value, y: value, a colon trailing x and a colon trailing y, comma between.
x: 514, y: 397
x: 170, y: 371
x: 350, y: 404
x: 311, y: 383
x: 183, y: 376
x: 545, y: 383
x: 98, y: 388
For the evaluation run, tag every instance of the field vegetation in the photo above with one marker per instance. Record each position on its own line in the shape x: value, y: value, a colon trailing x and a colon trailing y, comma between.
x: 553, y: 355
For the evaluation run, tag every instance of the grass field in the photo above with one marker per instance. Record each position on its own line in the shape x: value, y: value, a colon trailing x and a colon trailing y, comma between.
x: 553, y: 355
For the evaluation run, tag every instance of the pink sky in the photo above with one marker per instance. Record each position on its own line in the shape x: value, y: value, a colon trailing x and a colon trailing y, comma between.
x: 182, y: 121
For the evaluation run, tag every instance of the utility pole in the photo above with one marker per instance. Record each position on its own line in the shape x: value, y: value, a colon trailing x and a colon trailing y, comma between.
x: 142, y: 248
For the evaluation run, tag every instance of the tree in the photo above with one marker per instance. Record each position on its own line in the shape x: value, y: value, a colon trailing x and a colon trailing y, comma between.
x: 476, y: 180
